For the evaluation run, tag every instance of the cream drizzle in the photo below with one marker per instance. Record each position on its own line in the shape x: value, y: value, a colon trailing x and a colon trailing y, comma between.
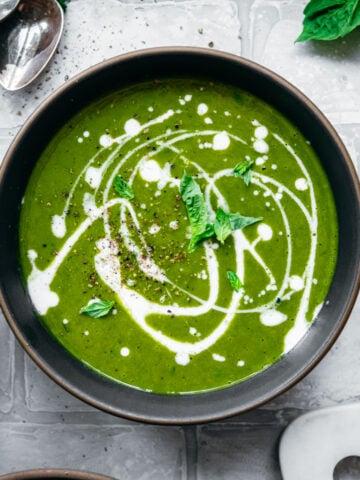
x: 107, y: 262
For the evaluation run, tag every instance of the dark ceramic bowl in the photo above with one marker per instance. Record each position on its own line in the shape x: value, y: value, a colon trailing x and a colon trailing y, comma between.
x: 129, y: 402
x: 47, y: 474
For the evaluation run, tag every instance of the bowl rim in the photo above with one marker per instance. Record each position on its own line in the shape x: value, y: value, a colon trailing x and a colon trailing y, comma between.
x: 47, y: 473
x: 304, y: 369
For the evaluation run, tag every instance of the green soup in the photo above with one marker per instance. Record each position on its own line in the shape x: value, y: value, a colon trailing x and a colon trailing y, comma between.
x: 193, y: 220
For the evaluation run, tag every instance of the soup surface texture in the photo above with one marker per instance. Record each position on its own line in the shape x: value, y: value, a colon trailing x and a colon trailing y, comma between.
x: 178, y: 235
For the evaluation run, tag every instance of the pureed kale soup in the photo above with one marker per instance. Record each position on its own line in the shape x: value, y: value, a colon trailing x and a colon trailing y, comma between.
x: 178, y: 236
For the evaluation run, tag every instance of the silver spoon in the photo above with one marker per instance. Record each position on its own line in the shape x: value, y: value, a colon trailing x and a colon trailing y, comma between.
x: 7, y: 7
x: 28, y: 40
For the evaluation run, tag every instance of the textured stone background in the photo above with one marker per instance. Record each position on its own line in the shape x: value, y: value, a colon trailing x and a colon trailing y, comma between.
x: 43, y: 426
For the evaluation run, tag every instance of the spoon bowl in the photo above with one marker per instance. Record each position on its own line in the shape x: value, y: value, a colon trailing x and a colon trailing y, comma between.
x: 7, y: 7
x: 28, y: 40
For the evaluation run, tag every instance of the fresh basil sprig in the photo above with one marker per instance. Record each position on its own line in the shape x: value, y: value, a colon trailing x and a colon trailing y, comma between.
x: 243, y: 170
x: 226, y: 223
x: 196, y: 209
x: 198, y: 237
x: 222, y: 225
x: 238, y: 221
x: 234, y: 280
x: 329, y: 19
x: 201, y: 228
x: 123, y: 188
x: 98, y: 309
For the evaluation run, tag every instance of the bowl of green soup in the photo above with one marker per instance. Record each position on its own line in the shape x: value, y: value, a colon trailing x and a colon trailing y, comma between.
x: 179, y: 235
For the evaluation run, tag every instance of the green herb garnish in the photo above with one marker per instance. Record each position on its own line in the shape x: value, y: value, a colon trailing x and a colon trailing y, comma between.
x: 234, y: 280
x: 196, y: 209
x: 63, y: 4
x: 222, y: 225
x: 195, y: 239
x: 226, y: 223
x: 243, y: 170
x: 98, y: 309
x: 201, y: 228
x: 238, y: 221
x: 123, y: 188
x: 329, y: 19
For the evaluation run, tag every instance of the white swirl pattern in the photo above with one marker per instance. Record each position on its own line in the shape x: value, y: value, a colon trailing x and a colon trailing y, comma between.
x: 107, y: 261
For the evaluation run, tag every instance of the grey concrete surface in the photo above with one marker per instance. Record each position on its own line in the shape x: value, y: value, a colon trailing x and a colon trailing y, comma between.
x: 43, y: 426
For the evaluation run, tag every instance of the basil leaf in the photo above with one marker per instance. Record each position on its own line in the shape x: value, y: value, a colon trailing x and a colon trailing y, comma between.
x: 201, y: 228
x: 247, y: 177
x: 63, y: 4
x: 234, y: 280
x: 196, y: 209
x: 318, y: 6
x: 222, y: 225
x: 329, y: 19
x: 195, y: 203
x: 243, y: 170
x: 238, y: 221
x: 195, y: 239
x: 98, y: 309
x: 226, y: 223
x: 123, y: 188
